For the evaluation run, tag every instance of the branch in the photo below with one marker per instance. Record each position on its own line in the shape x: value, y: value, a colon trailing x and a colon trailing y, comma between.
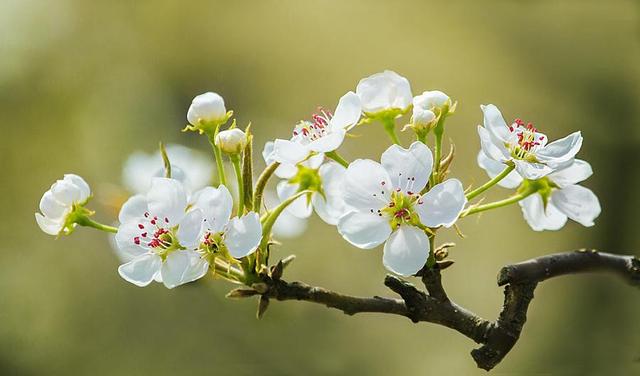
x: 497, y: 338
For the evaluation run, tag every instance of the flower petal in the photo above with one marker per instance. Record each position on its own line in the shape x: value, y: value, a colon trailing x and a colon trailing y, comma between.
x: 560, y: 151
x: 65, y: 192
x: 182, y: 267
x: 126, y: 239
x: 494, y: 150
x: 578, y: 171
x: 442, y: 205
x: 81, y: 184
x: 52, y: 208
x: 347, y: 113
x: 538, y: 218
x: 134, y: 209
x: 243, y: 235
x: 578, y: 203
x: 141, y: 270
x: 330, y: 207
x: 329, y: 142
x: 409, y: 169
x: 494, y: 122
x: 406, y: 251
x: 167, y: 199
x: 191, y: 229
x: 494, y: 168
x: 286, y: 151
x: 383, y: 91
x: 363, y: 229
x: 48, y: 225
x: 367, y: 185
x: 531, y: 170
x: 300, y: 207
x: 216, y: 205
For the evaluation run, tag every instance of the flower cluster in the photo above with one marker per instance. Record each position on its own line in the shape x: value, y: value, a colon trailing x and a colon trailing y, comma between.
x: 183, y: 223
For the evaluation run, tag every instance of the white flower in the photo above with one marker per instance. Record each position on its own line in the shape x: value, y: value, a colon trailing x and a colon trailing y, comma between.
x: 384, y: 91
x: 231, y: 141
x: 385, y: 204
x: 566, y: 200
x: 192, y: 168
x: 206, y: 108
x: 324, y: 134
x: 524, y: 146
x: 325, y: 179
x: 287, y: 226
x: 160, y: 238
x: 239, y: 236
x: 426, y: 105
x: 59, y: 201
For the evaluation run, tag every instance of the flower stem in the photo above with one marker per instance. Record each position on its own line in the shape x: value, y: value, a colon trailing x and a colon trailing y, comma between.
x: 83, y: 220
x: 431, y: 260
x: 490, y: 183
x: 270, y: 219
x: 165, y: 159
x: 218, y: 155
x: 338, y: 158
x: 235, y: 160
x: 262, y: 183
x: 498, y: 204
x: 438, y: 132
x: 390, y: 128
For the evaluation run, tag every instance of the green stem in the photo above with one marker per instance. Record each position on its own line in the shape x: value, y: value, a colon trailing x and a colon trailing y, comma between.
x: 421, y: 136
x: 499, y: 204
x: 218, y: 155
x: 431, y: 260
x: 235, y: 160
x: 490, y: 183
x: 270, y: 219
x: 336, y: 157
x: 438, y: 132
x: 165, y: 159
x: 262, y: 183
x: 88, y: 222
x: 390, y: 128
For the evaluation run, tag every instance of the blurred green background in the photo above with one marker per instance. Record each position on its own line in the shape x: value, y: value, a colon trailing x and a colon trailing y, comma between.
x: 83, y: 84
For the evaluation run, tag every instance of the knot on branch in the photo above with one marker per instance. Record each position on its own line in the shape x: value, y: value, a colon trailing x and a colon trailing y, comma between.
x: 414, y: 299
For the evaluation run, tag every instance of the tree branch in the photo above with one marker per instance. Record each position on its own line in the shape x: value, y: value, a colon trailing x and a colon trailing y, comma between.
x: 497, y: 338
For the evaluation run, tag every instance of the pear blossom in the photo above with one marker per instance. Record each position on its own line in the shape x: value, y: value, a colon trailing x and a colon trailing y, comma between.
x: 384, y: 205
x: 192, y: 168
x: 159, y: 237
x: 325, y: 133
x: 206, y: 108
x: 566, y: 199
x: 325, y: 179
x: 385, y: 91
x: 427, y: 105
x: 523, y: 146
x: 231, y: 141
x: 240, y: 236
x: 60, y: 201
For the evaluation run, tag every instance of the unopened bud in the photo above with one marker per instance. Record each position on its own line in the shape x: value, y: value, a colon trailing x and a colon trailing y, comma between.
x: 207, y: 108
x: 231, y: 141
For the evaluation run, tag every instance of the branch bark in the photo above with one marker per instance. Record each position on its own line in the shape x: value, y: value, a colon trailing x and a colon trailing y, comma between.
x: 497, y: 338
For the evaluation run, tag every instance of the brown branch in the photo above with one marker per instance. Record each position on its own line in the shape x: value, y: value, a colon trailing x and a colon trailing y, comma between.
x: 497, y: 338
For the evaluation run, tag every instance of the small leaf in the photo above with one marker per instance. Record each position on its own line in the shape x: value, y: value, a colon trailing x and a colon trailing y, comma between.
x: 240, y: 293
x: 276, y: 270
x: 262, y: 306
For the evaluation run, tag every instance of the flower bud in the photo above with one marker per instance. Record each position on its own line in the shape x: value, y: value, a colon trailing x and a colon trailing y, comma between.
x: 59, y: 204
x: 430, y: 100
x: 231, y: 141
x: 422, y: 117
x: 207, y: 108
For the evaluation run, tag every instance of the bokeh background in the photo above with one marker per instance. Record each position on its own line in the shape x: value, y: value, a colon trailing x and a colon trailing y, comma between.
x: 84, y: 84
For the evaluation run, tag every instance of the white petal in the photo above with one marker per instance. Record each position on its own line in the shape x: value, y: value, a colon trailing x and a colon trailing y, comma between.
x: 442, y: 205
x: 363, y: 229
x: 329, y: 142
x: 494, y: 122
x: 347, y: 113
x: 267, y: 152
x: 288, y: 226
x: 191, y: 230
x: 66, y: 193
x: 141, y: 270
x: 243, y: 235
x: 48, y: 225
x: 81, y: 184
x: 52, y: 208
x: 494, y: 168
x: 330, y: 207
x: 406, y: 251
x: 578, y: 171
x: 216, y: 205
x: 531, y: 171
x: 560, y: 151
x: 125, y: 239
x: 167, y: 199
x: 314, y: 162
x: 540, y: 219
x: 182, y: 267
x: 409, y: 169
x: 286, y: 151
x: 206, y: 107
x: 382, y: 91
x: 495, y: 151
x: 430, y: 99
x: 367, y: 185
x: 135, y: 208
x: 578, y: 203
x: 300, y: 207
